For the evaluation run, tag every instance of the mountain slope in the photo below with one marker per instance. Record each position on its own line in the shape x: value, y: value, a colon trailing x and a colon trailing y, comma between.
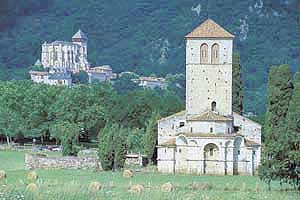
x: 147, y: 36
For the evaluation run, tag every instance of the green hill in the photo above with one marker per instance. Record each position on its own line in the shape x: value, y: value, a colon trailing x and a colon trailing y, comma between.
x: 147, y: 36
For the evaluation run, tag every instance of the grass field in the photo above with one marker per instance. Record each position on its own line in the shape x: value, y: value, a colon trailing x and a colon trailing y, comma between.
x: 73, y: 184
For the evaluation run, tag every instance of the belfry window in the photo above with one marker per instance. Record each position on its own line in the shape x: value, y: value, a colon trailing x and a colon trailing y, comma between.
x: 204, y: 53
x: 215, y: 54
x: 213, y: 106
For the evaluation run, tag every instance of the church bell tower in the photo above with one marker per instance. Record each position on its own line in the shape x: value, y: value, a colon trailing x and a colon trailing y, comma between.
x: 209, y: 70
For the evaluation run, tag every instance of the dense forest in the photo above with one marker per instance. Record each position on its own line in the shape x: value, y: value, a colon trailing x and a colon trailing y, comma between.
x: 147, y: 36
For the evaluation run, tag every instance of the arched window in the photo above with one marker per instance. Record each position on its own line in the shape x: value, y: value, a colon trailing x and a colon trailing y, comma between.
x: 215, y: 54
x: 204, y: 53
x: 213, y: 106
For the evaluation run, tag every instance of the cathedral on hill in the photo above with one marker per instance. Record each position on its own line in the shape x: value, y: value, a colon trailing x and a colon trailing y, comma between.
x: 208, y: 137
x: 66, y: 56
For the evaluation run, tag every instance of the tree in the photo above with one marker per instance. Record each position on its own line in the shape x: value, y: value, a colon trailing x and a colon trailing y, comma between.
x: 125, y: 83
x: 279, y: 94
x: 67, y: 133
x: 150, y: 138
x: 105, y: 154
x: 113, y: 146
x: 237, y: 84
x: 120, y: 146
x: 80, y: 78
x: 292, y: 142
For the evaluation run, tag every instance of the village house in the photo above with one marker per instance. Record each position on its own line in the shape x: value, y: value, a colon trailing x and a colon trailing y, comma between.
x: 208, y: 137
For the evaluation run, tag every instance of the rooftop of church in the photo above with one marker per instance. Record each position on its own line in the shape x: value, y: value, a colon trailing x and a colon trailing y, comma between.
x: 209, y: 29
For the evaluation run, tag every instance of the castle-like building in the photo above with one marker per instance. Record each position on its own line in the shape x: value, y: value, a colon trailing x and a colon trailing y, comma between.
x: 61, y: 59
x: 208, y: 137
x: 66, y: 56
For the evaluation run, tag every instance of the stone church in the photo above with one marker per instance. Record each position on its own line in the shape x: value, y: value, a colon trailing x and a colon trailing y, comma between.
x: 66, y: 56
x: 208, y: 137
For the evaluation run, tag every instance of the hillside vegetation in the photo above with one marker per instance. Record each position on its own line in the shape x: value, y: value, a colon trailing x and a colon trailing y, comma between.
x: 147, y: 36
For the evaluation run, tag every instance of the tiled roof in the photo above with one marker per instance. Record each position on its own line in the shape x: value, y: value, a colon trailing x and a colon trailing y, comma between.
x: 208, y: 135
x: 174, y: 115
x: 209, y: 116
x: 171, y: 142
x: 251, y: 143
x: 209, y: 29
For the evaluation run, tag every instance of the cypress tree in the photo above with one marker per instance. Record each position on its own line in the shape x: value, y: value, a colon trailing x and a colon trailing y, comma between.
x: 120, y: 146
x: 150, y: 137
x: 237, y: 84
x: 292, y: 143
x: 106, y: 155
x: 279, y: 94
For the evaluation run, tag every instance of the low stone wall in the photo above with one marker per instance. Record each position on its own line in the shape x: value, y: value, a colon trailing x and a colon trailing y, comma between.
x: 43, y: 162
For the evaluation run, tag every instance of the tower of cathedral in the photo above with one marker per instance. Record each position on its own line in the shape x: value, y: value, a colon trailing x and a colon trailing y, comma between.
x: 209, y: 70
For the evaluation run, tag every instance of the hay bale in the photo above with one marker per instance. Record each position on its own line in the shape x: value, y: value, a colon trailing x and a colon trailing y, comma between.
x: 32, y: 175
x: 200, y: 186
x: 167, y: 187
x: 138, y: 188
x: 2, y: 174
x: 95, y: 186
x: 128, y: 173
x: 32, y: 187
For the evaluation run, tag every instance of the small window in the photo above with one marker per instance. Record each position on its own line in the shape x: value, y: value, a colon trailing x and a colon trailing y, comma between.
x: 228, y: 130
x: 204, y: 53
x: 213, y: 106
x: 181, y: 124
x: 215, y: 54
x: 253, y: 152
x: 191, y: 129
x: 165, y: 150
x: 239, y: 152
x: 211, y: 130
x: 179, y: 150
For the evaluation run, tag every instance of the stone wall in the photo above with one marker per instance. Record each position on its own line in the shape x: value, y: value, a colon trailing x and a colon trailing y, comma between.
x: 43, y: 162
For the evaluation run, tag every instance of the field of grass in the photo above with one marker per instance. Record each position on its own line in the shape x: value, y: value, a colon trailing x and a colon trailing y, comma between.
x: 73, y: 184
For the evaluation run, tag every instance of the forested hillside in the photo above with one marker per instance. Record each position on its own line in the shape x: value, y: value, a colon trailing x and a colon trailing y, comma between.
x: 147, y: 36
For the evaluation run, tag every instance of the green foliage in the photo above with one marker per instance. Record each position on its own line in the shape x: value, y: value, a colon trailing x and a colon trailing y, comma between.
x: 68, y: 134
x: 106, y: 146
x: 125, y: 84
x: 150, y: 138
x: 274, y: 165
x: 237, y: 84
x: 113, y: 146
x: 153, y: 42
x: 135, y: 141
x: 80, y: 78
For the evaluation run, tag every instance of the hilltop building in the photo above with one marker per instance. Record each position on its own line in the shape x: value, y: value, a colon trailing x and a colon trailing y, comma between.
x: 151, y: 82
x: 61, y: 59
x: 101, y: 73
x: 66, y: 56
x: 208, y: 137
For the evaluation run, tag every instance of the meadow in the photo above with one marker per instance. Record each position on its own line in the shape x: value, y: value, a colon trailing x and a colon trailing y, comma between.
x: 74, y: 184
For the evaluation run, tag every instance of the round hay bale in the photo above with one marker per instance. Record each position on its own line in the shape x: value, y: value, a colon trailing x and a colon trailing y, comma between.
x: 201, y: 186
x: 167, y: 187
x: 128, y: 173
x: 95, y: 186
x: 138, y: 188
x: 32, y: 187
x: 2, y: 174
x: 32, y: 175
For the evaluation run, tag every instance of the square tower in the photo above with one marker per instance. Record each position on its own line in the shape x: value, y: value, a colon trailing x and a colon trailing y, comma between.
x: 209, y: 70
